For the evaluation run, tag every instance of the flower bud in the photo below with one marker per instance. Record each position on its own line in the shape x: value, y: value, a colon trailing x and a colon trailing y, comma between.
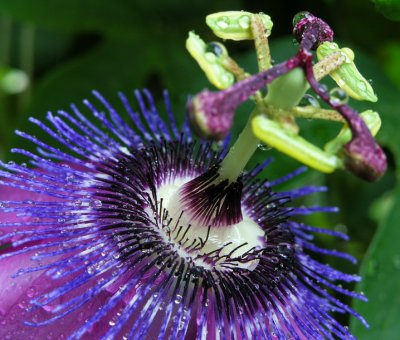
x: 310, y: 30
x: 365, y: 159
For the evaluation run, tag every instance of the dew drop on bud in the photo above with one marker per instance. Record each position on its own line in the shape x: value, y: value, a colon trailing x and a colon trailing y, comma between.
x: 244, y: 21
x: 211, y: 58
x: 338, y: 96
x: 299, y: 16
x: 216, y: 48
x: 308, y: 99
x: 223, y: 22
x: 264, y: 147
x: 361, y: 85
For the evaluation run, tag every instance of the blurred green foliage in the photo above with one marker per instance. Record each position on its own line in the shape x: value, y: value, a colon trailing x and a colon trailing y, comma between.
x: 68, y: 48
x: 389, y: 8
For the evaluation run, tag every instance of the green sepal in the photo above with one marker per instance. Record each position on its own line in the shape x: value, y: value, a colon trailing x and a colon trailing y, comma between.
x: 347, y: 75
x: 209, y: 62
x: 235, y: 25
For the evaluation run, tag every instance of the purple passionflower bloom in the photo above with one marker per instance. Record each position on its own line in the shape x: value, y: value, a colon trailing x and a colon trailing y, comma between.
x: 104, y: 240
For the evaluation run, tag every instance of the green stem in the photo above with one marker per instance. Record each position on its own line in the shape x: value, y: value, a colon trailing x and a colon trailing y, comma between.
x: 284, y: 93
x: 311, y: 112
x: 287, y: 91
x: 261, y: 43
x: 240, y: 153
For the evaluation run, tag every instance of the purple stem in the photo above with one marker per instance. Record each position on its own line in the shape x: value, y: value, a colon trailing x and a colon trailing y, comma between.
x: 211, y: 113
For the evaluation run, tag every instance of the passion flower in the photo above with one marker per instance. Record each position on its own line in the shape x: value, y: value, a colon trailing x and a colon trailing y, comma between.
x: 127, y: 231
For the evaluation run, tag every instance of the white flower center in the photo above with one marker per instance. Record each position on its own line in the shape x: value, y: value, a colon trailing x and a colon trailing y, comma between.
x: 225, y: 243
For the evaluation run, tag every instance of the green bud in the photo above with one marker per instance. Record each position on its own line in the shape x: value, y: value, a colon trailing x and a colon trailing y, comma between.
x: 347, y: 75
x: 235, y: 25
x: 210, y: 59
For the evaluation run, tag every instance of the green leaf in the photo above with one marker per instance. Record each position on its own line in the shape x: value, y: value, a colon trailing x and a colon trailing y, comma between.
x: 391, y: 54
x: 389, y: 8
x: 110, y: 68
x: 381, y: 281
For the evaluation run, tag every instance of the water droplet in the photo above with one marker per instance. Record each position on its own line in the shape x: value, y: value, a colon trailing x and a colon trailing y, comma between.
x: 362, y: 86
x: 210, y: 57
x: 227, y: 78
x: 90, y: 270
x: 285, y: 249
x: 178, y: 299
x: 308, y: 99
x: 338, y: 96
x: 244, y: 21
x: 300, y: 16
x: 31, y: 292
x: 349, y: 54
x: 322, y: 88
x: 223, y: 22
x: 274, y: 259
x: 77, y: 203
x: 264, y: 147
x: 97, y: 203
x: 216, y: 48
